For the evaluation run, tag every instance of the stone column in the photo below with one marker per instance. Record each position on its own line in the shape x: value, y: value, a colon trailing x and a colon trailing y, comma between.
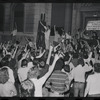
x: 75, y: 18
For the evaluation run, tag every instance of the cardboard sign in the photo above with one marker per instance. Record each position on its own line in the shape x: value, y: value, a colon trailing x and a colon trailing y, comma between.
x: 93, y: 25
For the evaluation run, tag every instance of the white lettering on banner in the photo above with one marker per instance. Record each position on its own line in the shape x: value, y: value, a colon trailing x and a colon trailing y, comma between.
x: 93, y: 25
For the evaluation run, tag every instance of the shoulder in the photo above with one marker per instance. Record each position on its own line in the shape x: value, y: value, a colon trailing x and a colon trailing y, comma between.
x: 20, y: 69
x: 60, y: 73
x: 90, y: 77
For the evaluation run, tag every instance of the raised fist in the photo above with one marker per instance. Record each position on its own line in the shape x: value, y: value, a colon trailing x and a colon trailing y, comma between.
x: 51, y: 48
x: 57, y: 57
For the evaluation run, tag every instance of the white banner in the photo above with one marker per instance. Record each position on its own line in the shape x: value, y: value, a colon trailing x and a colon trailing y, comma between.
x: 93, y: 25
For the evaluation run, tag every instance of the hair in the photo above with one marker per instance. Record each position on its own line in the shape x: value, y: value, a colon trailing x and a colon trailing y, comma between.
x: 85, y: 55
x: 24, y: 63
x: 81, y: 61
x: 4, y: 62
x: 42, y: 64
x: 7, y: 57
x: 4, y: 75
x: 59, y: 64
x: 67, y: 68
x: 28, y: 88
x: 66, y: 57
x: 97, y: 67
x: 35, y: 61
x: 31, y: 73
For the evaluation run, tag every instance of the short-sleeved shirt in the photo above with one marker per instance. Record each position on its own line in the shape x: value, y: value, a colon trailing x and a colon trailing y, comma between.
x: 78, y: 73
x: 93, y: 82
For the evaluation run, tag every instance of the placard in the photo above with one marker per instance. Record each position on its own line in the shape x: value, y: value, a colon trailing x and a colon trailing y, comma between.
x: 93, y: 25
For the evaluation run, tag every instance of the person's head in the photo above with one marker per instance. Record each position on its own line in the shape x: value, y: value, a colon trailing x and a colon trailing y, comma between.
x: 4, y: 62
x: 28, y: 88
x: 35, y: 61
x: 42, y: 64
x: 97, y: 67
x: 66, y: 57
x: 4, y: 75
x: 33, y: 72
x: 81, y: 61
x: 9, y: 49
x: 24, y: 63
x: 67, y: 68
x: 75, y: 55
x: 59, y: 64
x: 8, y: 57
x: 85, y: 55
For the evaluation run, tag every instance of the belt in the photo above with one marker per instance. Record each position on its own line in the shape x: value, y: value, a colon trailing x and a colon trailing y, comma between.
x: 57, y: 93
x: 78, y: 82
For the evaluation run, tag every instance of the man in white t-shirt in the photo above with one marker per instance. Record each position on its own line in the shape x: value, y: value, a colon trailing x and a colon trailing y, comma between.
x: 78, y: 74
x: 93, y: 83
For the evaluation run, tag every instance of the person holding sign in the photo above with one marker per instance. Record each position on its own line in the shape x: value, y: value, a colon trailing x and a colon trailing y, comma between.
x: 47, y: 34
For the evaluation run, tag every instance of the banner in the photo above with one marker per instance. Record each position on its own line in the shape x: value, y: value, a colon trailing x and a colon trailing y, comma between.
x: 93, y: 25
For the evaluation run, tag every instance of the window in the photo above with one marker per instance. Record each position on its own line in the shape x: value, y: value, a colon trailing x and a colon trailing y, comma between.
x: 19, y: 17
x: 1, y: 17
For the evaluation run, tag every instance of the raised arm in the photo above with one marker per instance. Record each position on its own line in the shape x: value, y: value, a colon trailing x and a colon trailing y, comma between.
x: 49, y: 55
x: 25, y: 48
x: 13, y: 56
x: 41, y: 54
x: 69, y: 59
x: 43, y: 25
x: 44, y: 78
x: 19, y: 63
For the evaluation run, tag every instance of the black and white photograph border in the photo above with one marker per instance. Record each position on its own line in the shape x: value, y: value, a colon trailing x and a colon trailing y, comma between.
x: 49, y: 49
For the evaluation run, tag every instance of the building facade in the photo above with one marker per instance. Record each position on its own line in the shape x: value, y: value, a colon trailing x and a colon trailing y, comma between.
x: 26, y: 16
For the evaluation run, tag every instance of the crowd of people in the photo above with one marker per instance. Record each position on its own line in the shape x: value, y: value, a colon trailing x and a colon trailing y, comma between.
x: 68, y: 67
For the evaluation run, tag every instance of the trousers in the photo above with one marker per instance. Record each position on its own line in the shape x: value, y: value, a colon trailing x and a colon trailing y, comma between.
x: 79, y: 89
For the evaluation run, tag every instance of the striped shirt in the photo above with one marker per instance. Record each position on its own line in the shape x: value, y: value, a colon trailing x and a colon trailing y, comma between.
x: 58, y: 81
